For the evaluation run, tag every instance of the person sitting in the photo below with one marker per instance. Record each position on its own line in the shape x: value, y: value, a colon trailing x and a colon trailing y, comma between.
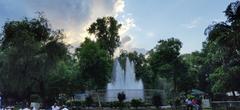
x: 64, y: 107
x: 189, y: 104
x: 195, y: 104
x: 55, y: 107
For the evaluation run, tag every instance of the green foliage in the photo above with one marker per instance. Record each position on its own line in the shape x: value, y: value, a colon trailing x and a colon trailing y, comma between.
x: 142, y: 69
x: 225, y: 37
x: 64, y: 78
x: 163, y: 56
x: 165, y: 61
x: 72, y: 103
x: 89, y: 101
x: 116, y: 104
x: 157, y: 100
x: 195, y: 77
x: 106, y: 31
x: 136, y: 103
x: 94, y: 64
x: 30, y: 50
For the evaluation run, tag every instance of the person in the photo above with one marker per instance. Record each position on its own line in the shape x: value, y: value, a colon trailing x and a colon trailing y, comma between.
x: 0, y: 100
x: 195, y: 104
x: 55, y: 107
x: 64, y: 107
x: 189, y: 104
x: 26, y: 108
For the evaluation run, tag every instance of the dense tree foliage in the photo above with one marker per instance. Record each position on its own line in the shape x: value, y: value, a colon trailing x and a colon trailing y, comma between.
x: 142, y: 68
x: 165, y: 60
x: 94, y: 64
x: 106, y: 32
x: 30, y: 50
x: 225, y: 37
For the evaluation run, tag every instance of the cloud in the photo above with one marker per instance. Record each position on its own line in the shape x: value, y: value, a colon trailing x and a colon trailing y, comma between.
x: 140, y: 50
x: 127, y: 24
x: 127, y: 44
x: 119, y: 6
x: 193, y: 24
x: 73, y: 16
x: 125, y: 39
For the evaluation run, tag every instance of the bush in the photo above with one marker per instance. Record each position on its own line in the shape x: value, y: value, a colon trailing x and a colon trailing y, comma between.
x: 62, y: 98
x: 75, y: 103
x: 136, y: 103
x: 157, y: 100
x: 89, y: 101
x: 177, y: 101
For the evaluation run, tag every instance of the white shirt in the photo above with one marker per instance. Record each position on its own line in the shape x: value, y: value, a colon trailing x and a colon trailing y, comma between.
x: 55, y: 108
x: 65, y: 108
x: 26, y: 109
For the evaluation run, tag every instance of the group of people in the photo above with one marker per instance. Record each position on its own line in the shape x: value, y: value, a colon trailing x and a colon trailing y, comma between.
x: 193, y: 103
x: 56, y: 107
x: 53, y: 107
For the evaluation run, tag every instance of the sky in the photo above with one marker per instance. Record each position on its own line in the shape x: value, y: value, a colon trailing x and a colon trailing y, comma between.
x: 144, y: 22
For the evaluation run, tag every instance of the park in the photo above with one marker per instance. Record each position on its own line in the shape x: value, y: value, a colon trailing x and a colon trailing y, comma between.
x: 47, y: 68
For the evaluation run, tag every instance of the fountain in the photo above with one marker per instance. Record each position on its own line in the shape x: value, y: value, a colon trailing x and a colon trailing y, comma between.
x: 124, y: 80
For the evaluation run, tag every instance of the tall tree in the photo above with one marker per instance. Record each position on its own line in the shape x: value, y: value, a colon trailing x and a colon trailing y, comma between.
x: 225, y: 35
x: 30, y: 49
x: 106, y: 32
x: 94, y: 64
x: 198, y: 71
x: 142, y: 69
x: 165, y: 61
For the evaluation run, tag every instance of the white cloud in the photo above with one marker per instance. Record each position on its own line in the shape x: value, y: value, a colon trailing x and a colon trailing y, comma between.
x: 127, y: 44
x: 193, y: 24
x: 75, y: 16
x: 125, y: 39
x: 127, y: 24
x: 119, y: 6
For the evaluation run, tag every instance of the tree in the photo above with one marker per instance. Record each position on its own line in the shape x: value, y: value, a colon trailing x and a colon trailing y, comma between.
x: 94, y: 64
x: 139, y: 61
x: 142, y: 69
x: 106, y: 32
x: 30, y: 49
x: 197, y: 74
x: 157, y: 100
x: 63, y: 79
x: 164, y: 60
x: 225, y: 35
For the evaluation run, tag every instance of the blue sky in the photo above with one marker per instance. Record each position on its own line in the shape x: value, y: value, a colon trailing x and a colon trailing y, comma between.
x: 182, y: 19
x: 145, y: 22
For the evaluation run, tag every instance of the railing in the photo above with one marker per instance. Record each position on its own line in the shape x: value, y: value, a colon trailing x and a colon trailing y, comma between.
x: 147, y: 93
x: 225, y: 105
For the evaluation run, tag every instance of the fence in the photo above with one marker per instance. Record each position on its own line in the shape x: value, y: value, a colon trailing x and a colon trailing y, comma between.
x: 101, y: 95
x: 225, y: 105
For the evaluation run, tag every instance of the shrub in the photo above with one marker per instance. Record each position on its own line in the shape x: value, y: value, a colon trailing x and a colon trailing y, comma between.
x: 89, y: 101
x: 76, y: 103
x: 177, y: 101
x: 136, y: 103
x: 157, y: 100
x: 62, y: 98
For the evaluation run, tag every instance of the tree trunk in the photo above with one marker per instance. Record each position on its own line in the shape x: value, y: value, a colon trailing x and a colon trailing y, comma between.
x: 42, y: 89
